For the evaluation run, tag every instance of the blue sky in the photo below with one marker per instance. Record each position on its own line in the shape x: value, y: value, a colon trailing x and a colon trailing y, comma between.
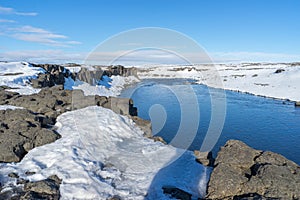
x: 66, y: 30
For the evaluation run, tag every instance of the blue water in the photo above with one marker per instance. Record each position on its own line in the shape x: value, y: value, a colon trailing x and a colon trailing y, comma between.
x: 262, y: 123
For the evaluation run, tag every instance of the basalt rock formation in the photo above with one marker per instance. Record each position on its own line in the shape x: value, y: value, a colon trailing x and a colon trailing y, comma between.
x: 242, y: 172
x: 54, y: 75
x: 94, y: 74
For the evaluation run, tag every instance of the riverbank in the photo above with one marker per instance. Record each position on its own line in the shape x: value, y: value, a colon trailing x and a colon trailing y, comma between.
x: 274, y: 80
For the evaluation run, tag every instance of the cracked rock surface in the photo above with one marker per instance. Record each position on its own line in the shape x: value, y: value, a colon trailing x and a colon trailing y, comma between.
x: 244, y: 173
x: 21, y: 131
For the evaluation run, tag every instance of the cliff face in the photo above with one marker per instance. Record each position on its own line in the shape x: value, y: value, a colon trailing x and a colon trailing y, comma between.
x: 96, y: 74
x: 54, y: 75
x: 244, y: 173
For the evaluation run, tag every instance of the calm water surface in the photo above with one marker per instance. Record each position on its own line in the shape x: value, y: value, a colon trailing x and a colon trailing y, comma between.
x: 262, y: 123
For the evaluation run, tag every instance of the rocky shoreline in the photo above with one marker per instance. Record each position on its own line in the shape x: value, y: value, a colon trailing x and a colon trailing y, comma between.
x: 239, y: 172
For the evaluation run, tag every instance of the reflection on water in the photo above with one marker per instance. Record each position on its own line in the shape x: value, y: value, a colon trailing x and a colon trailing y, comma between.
x: 262, y: 123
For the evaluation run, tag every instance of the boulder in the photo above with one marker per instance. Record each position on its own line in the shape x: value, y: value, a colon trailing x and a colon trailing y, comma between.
x: 145, y: 125
x: 158, y: 139
x: 47, y: 187
x: 79, y: 100
x: 242, y: 172
x: 120, y: 105
x: 204, y: 158
x: 279, y: 71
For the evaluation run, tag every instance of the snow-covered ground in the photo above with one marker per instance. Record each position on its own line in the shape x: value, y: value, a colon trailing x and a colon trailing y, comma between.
x: 258, y: 78
x: 102, y: 154
x: 117, y: 85
x: 17, y: 75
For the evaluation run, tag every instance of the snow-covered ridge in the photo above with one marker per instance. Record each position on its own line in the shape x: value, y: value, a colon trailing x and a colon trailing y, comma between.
x: 261, y: 79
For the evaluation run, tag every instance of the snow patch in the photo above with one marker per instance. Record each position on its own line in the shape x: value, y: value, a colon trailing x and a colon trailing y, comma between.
x: 6, y: 107
x: 117, y: 84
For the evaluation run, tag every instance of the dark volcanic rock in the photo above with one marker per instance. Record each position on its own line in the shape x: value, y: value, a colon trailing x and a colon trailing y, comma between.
x: 47, y: 189
x: 49, y: 101
x: 121, y: 71
x: 279, y: 71
x: 26, y: 129
x: 21, y: 132
x: 55, y: 75
x: 92, y: 76
x: 176, y: 193
x: 244, y: 173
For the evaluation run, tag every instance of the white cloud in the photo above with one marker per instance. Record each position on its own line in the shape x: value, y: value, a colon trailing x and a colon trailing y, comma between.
x: 39, y: 35
x: 7, y: 21
x: 11, y: 11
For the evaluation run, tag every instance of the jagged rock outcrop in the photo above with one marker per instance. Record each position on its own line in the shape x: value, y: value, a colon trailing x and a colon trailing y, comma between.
x: 25, y: 190
x: 94, y: 74
x: 244, y: 173
x: 121, y: 71
x: 90, y: 76
x: 54, y: 75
